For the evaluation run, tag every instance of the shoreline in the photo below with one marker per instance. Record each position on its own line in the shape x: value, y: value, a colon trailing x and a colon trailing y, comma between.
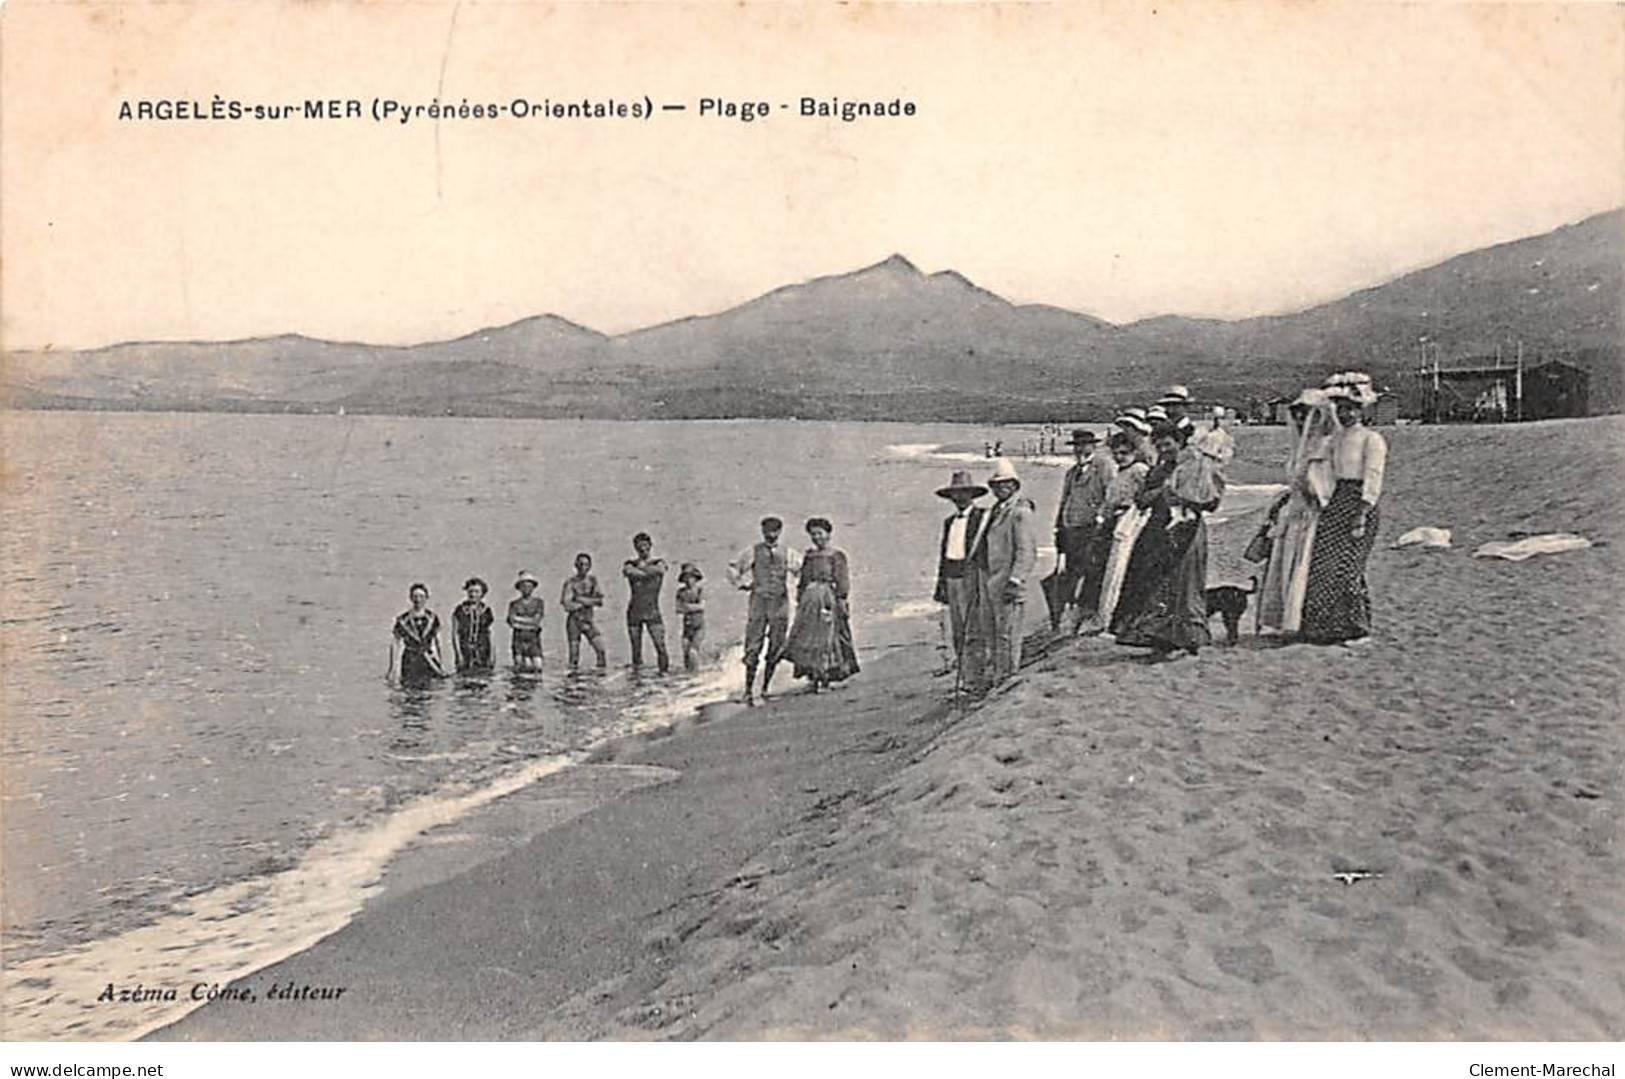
x: 644, y: 822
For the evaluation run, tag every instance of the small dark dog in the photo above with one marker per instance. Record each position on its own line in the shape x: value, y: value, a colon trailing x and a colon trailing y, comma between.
x: 1231, y: 601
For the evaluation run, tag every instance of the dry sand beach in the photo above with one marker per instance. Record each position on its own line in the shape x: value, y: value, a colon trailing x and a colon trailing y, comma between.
x: 1109, y: 848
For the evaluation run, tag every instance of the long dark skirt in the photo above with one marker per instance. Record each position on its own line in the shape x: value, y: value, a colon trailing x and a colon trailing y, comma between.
x: 416, y: 670
x: 819, y: 644
x: 1173, y: 614
x: 1148, y: 563
x: 1337, y: 603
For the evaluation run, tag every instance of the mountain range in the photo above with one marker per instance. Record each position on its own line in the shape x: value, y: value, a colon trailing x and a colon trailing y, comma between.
x: 889, y: 342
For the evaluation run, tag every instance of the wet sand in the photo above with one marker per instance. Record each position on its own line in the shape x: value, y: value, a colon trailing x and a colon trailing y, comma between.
x: 1109, y: 848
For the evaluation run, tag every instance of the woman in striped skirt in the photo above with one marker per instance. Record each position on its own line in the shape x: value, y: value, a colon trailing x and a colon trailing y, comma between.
x: 1337, y: 602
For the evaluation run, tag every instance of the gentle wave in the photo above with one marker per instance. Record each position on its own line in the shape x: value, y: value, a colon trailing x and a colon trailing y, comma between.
x: 229, y: 932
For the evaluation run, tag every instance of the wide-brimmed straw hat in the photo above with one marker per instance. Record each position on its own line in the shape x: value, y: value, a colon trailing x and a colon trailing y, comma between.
x: 1310, y: 397
x: 962, y: 482
x: 1133, y: 423
x: 526, y: 575
x: 690, y: 572
x: 1175, y: 395
x: 1003, y: 472
x: 1355, y: 386
x: 1157, y: 414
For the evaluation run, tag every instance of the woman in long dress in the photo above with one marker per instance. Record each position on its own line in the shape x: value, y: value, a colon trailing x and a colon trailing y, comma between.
x: 414, y: 647
x: 1171, y: 611
x: 1114, y: 539
x: 819, y: 645
x: 1141, y: 545
x: 1296, y: 517
x: 1337, y: 601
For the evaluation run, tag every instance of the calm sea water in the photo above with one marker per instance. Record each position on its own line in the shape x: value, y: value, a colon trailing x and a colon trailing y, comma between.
x: 196, y: 624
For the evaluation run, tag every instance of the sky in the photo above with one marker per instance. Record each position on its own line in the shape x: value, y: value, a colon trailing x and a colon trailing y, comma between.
x: 1122, y: 160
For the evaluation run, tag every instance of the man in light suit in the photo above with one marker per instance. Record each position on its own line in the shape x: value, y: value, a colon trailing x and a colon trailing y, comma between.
x: 1004, y: 553
x: 955, y: 578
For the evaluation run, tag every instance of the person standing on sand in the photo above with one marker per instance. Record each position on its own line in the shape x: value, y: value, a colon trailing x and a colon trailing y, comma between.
x: 1293, y: 519
x: 1004, y: 554
x: 1172, y: 613
x: 956, y: 584
x: 763, y: 569
x: 819, y: 645
x: 1120, y: 524
x: 579, y: 599
x: 1337, y: 602
x: 1083, y: 491
x: 1142, y: 568
x: 645, y: 574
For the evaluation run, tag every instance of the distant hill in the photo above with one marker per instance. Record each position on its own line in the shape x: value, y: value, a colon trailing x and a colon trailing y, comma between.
x: 887, y: 342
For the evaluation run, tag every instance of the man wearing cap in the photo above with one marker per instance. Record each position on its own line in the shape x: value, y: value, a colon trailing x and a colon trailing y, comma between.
x: 763, y: 570
x: 1004, y: 553
x: 955, y: 581
x: 1083, y: 493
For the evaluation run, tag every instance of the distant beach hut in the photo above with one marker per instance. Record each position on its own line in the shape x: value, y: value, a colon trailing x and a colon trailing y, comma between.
x: 1386, y: 410
x: 1490, y: 389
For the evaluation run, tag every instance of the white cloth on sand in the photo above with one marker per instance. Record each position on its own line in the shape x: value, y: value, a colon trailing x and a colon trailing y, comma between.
x: 1424, y: 537
x: 1529, y: 547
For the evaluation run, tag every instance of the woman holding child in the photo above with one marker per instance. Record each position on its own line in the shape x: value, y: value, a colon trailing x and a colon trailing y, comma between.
x: 1164, y: 601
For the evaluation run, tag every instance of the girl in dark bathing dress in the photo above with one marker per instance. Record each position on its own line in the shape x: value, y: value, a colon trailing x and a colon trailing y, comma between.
x: 471, y: 630
x: 416, y: 641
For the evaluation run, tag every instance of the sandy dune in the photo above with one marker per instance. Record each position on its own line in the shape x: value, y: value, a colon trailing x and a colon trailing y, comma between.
x: 1112, y: 849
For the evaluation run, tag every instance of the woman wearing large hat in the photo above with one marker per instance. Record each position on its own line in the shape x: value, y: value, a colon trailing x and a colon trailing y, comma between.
x: 1164, y: 602
x: 1134, y: 423
x: 1337, y: 600
x: 1295, y: 517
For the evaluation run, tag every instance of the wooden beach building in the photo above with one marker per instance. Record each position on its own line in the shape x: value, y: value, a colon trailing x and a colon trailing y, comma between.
x: 1491, y: 389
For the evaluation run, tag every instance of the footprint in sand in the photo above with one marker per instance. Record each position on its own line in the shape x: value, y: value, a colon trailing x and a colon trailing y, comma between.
x: 1250, y: 962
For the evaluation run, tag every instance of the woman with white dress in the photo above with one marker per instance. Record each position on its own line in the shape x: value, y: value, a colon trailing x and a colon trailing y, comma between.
x: 1293, y: 519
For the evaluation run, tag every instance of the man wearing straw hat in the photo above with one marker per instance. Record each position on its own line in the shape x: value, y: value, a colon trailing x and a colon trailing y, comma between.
x: 1004, y: 553
x: 1176, y: 402
x: 955, y: 580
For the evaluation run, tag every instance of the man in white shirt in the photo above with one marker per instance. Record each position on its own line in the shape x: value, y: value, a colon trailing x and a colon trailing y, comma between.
x: 763, y: 570
x: 955, y: 583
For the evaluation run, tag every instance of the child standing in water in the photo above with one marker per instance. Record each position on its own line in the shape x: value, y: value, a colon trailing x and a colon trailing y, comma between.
x: 691, y: 606
x: 471, y: 629
x: 525, y: 618
x: 579, y: 598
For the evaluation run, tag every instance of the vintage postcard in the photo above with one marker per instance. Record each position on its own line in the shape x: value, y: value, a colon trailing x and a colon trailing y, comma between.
x: 536, y: 521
